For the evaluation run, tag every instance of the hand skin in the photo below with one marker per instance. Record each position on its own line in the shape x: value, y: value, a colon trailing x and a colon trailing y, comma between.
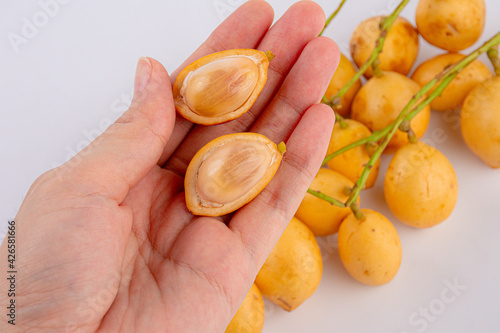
x: 105, y: 242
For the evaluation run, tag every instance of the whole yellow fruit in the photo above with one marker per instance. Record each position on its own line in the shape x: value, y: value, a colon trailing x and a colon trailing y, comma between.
x: 400, y: 47
x: 452, y: 25
x: 293, y: 270
x: 250, y: 315
x: 352, y: 162
x: 380, y: 101
x: 345, y: 71
x: 480, y: 121
x: 421, y: 186
x: 370, y: 249
x: 320, y: 216
x: 455, y: 93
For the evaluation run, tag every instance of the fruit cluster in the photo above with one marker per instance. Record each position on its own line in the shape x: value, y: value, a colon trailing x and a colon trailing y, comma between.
x: 388, y: 114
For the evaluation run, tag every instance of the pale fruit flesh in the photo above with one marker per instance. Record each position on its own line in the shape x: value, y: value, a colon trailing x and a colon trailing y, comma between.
x: 221, y: 86
x: 232, y: 170
x: 229, y: 171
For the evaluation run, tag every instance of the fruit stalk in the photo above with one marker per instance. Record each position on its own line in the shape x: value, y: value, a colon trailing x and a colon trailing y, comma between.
x: 495, y: 60
x: 386, y: 25
x: 332, y: 16
x: 413, y: 107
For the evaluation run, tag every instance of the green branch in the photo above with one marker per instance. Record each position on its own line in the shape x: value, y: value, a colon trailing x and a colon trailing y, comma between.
x: 495, y: 61
x: 332, y: 16
x: 419, y: 101
x: 327, y: 198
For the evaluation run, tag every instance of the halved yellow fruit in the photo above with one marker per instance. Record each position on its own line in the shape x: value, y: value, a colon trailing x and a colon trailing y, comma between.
x: 229, y: 172
x: 220, y: 86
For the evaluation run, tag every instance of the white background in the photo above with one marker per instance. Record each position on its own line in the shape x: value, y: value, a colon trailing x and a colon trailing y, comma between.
x: 74, y: 76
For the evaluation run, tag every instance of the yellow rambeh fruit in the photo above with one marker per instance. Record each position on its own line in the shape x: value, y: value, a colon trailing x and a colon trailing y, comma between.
x: 480, y: 121
x: 452, y: 25
x: 352, y: 162
x: 345, y: 71
x: 400, y: 47
x: 455, y: 93
x: 381, y: 100
x: 370, y: 249
x: 320, y: 216
x: 221, y: 86
x: 250, y: 315
x: 421, y: 187
x: 293, y: 270
x: 230, y: 171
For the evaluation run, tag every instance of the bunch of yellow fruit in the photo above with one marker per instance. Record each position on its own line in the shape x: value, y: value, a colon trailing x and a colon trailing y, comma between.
x: 420, y: 185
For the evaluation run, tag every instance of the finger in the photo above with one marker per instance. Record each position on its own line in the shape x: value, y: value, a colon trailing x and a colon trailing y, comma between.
x: 120, y: 157
x: 304, y: 86
x: 301, y: 23
x: 261, y: 222
x: 242, y: 29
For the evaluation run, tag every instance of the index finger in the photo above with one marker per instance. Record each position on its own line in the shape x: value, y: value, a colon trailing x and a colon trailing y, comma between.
x: 244, y: 28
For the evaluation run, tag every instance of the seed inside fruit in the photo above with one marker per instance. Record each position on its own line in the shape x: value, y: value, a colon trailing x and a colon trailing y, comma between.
x: 221, y: 86
x: 231, y: 170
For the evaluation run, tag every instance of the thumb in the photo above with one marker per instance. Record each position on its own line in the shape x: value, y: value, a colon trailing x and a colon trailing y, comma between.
x: 125, y: 153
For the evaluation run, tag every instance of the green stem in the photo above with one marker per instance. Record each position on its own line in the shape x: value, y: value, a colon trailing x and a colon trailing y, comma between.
x: 495, y: 61
x: 377, y: 72
x: 379, y: 44
x: 409, y: 111
x: 357, y: 212
x: 377, y: 135
x: 339, y: 119
x: 327, y: 198
x: 332, y: 16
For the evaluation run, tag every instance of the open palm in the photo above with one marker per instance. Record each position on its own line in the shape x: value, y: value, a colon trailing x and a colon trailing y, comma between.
x: 106, y: 242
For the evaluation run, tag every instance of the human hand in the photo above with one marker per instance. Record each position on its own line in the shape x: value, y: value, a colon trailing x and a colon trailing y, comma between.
x: 105, y: 241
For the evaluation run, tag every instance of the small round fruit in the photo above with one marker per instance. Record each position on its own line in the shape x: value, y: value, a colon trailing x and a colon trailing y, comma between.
x: 250, y: 315
x: 400, y: 47
x: 380, y: 101
x: 455, y: 93
x: 421, y: 186
x: 370, y: 249
x: 345, y: 71
x: 452, y: 25
x: 320, y: 216
x: 221, y: 86
x: 480, y: 121
x: 293, y: 270
x: 229, y: 172
x: 351, y: 163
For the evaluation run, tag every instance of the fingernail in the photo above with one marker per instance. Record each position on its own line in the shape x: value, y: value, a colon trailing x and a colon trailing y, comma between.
x: 142, y: 74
